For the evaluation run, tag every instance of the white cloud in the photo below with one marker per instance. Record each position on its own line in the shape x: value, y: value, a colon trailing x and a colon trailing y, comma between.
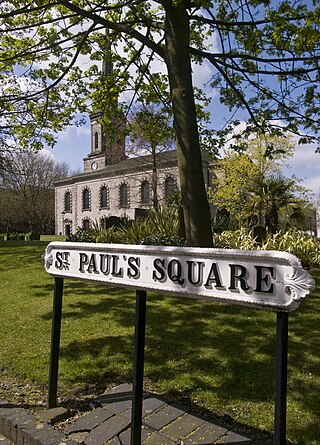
x: 48, y: 153
x: 313, y: 183
x: 72, y: 132
x: 305, y: 156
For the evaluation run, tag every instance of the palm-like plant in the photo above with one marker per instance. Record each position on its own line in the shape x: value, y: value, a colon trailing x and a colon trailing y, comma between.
x: 272, y: 201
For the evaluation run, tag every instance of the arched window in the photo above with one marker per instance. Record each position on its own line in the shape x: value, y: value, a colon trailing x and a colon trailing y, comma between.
x: 169, y: 186
x: 96, y: 140
x: 86, y: 224
x: 67, y: 202
x: 104, y: 197
x: 124, y: 196
x: 86, y: 199
x: 145, y: 192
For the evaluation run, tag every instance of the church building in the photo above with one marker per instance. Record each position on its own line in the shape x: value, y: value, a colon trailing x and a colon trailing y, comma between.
x: 114, y: 185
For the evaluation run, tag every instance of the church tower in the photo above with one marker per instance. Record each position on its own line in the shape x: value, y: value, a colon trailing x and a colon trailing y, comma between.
x: 104, y: 150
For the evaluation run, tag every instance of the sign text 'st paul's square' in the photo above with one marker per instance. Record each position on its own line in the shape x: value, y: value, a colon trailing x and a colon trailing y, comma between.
x: 265, y: 279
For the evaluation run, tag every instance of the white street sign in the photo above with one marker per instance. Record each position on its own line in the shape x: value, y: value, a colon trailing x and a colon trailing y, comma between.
x: 264, y: 279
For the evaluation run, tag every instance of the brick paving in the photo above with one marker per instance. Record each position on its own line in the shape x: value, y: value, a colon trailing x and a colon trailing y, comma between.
x: 110, y: 423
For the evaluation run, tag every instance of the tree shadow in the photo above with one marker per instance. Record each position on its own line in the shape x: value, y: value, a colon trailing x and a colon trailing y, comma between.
x: 181, y: 344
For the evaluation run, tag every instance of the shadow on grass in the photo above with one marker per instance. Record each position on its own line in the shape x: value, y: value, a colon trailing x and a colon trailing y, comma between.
x: 189, y: 340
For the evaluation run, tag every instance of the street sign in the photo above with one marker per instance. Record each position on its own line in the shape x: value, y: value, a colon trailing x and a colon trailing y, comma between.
x: 264, y: 279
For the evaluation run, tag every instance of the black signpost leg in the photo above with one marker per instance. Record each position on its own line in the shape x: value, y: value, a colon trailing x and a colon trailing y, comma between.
x: 281, y: 379
x: 139, y: 340
x: 55, y: 343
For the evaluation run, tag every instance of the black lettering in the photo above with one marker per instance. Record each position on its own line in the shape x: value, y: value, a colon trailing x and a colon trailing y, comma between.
x: 116, y: 271
x: 92, y: 267
x: 66, y: 256
x: 159, y: 266
x: 105, y: 263
x: 191, y: 272
x: 264, y: 275
x: 214, y: 276
x: 134, y: 265
x: 175, y: 272
x: 238, y: 274
x: 59, y: 262
x: 83, y: 261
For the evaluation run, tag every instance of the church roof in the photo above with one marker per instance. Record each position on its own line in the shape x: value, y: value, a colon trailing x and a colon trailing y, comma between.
x: 136, y: 164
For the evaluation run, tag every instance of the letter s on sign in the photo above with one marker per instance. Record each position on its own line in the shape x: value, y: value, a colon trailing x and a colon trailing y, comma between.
x: 159, y: 273
x: 133, y: 270
x: 59, y: 262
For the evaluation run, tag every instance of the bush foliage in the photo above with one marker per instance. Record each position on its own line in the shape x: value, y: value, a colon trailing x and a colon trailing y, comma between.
x: 159, y: 226
x: 162, y: 227
x: 307, y: 249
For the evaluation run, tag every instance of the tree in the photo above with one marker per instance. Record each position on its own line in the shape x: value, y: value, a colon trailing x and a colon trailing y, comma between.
x: 275, y: 203
x: 150, y: 132
x: 252, y: 188
x: 27, y: 193
x: 256, y: 41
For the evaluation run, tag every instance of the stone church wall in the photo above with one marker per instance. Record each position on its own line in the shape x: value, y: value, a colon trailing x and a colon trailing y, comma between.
x: 68, y: 219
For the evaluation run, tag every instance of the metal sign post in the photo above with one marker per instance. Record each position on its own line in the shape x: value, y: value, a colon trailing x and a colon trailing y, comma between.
x: 280, y: 416
x: 138, y: 365
x: 55, y: 343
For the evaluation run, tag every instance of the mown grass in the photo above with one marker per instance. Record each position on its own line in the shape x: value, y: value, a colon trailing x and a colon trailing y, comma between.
x: 218, y: 359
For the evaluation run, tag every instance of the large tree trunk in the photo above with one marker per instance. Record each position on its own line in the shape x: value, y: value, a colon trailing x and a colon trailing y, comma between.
x: 194, y: 199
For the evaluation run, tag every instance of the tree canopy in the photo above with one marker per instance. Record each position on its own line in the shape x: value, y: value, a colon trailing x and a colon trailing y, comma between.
x: 27, y: 193
x: 263, y: 57
x: 252, y: 188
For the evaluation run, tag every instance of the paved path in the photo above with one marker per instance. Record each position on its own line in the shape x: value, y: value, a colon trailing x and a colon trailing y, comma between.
x: 109, y: 423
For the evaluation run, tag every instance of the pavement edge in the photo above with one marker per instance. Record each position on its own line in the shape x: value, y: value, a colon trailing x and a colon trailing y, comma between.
x: 21, y: 428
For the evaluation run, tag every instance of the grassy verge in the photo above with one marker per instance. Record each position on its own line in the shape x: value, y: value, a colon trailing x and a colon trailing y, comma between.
x: 49, y: 238
x: 216, y: 358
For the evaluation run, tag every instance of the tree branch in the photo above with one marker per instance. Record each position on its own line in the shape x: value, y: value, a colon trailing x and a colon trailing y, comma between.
x: 118, y: 27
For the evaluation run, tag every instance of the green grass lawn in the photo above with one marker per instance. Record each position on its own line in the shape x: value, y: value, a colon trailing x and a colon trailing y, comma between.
x: 214, y: 358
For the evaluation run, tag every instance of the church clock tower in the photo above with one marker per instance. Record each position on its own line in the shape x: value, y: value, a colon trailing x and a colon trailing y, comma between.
x: 104, y: 151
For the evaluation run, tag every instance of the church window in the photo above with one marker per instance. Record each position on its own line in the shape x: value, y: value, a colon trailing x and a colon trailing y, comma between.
x: 67, y: 202
x: 124, y: 196
x: 86, y: 224
x: 104, y: 197
x: 145, y: 192
x: 169, y: 186
x: 86, y: 198
x: 96, y: 140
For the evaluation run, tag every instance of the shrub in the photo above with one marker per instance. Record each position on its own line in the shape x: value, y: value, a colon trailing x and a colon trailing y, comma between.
x: 293, y: 241
x: 35, y: 236
x: 158, y: 226
x: 106, y: 235
x: 162, y: 240
x: 16, y: 236
x: 82, y: 236
x: 304, y: 247
x: 220, y: 222
x: 163, y: 221
x: 235, y: 239
x: 132, y: 232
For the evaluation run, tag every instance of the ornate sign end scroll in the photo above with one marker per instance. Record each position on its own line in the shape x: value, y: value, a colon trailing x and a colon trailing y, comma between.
x: 298, y: 285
